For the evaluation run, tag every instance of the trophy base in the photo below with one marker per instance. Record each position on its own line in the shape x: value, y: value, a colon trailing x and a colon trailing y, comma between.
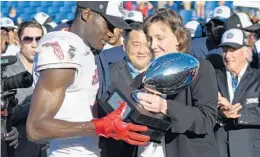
x: 157, y: 123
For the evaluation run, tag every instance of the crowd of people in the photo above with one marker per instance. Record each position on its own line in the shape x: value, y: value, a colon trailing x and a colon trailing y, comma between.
x: 74, y: 63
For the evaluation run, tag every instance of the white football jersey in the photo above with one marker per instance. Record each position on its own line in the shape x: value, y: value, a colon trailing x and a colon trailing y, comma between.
x: 63, y: 49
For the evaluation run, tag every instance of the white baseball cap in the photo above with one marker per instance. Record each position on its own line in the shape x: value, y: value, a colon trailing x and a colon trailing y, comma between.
x: 6, y: 22
x: 134, y: 16
x: 241, y: 21
x: 234, y: 38
x: 195, y: 28
x: 41, y: 17
x: 221, y: 13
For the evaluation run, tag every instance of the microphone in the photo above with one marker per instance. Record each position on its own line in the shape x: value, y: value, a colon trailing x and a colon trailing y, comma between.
x: 8, y: 60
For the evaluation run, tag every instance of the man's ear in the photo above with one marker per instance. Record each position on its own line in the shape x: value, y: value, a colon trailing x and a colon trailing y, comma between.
x: 86, y: 14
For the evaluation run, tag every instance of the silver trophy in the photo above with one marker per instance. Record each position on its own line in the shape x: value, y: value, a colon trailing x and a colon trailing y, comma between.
x: 169, y: 75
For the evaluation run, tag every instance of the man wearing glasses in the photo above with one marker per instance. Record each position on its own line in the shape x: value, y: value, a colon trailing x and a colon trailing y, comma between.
x: 29, y: 34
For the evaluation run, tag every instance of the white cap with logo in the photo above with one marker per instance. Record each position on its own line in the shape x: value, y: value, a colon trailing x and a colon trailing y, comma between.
x: 41, y: 17
x: 234, y: 38
x: 135, y: 16
x: 221, y: 13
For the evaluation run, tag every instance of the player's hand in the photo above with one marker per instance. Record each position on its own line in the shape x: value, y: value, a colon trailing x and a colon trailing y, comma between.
x: 113, y: 126
x: 12, y: 137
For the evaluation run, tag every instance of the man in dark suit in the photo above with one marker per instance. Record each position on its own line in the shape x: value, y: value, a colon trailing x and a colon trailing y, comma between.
x: 238, y: 128
x: 136, y: 61
x: 104, y: 60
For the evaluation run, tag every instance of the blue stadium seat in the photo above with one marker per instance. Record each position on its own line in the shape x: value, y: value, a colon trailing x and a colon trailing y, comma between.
x: 186, y: 15
x: 14, y: 3
x: 39, y: 9
x: 210, y: 6
x: 46, y: 3
x: 58, y: 18
x: 53, y: 10
x: 4, y: 3
x: 229, y: 4
x: 57, y: 3
x: 73, y: 9
x: 26, y: 16
x: 69, y: 3
x: 23, y: 4
x: 65, y: 9
x: 5, y: 11
x: 35, y: 3
x: 70, y: 16
x: 29, y: 11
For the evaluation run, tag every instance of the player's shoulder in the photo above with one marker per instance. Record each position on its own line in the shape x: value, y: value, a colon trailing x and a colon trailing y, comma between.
x: 63, y: 41
x: 64, y: 36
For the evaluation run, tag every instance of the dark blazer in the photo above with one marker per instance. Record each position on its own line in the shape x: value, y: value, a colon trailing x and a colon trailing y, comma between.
x: 193, y: 114
x: 104, y: 60
x: 119, y: 73
x: 240, y: 137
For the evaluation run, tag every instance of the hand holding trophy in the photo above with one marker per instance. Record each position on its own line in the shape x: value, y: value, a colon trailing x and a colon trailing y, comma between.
x: 167, y: 75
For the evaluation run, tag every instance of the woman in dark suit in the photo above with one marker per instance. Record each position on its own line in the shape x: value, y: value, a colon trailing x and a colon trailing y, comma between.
x: 192, y: 111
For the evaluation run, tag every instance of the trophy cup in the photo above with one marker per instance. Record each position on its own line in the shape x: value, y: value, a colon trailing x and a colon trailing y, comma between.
x: 167, y: 75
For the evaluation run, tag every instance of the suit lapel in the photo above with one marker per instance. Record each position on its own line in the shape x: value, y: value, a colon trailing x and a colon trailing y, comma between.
x: 243, y: 84
x: 125, y: 73
x: 222, y: 83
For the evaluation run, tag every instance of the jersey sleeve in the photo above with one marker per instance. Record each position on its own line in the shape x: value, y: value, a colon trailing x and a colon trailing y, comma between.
x: 56, y: 53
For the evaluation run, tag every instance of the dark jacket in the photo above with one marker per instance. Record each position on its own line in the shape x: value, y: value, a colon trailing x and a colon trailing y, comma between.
x: 119, y: 73
x: 240, y: 137
x: 20, y: 113
x: 104, y: 60
x: 193, y: 114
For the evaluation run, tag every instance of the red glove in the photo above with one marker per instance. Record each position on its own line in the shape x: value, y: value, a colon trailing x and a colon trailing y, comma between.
x: 113, y: 126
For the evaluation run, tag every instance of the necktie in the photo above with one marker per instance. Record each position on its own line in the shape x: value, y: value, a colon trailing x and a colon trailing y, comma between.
x: 234, y: 83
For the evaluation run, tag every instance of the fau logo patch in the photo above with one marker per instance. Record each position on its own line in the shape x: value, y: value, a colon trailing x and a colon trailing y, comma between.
x: 57, y: 49
x: 95, y: 77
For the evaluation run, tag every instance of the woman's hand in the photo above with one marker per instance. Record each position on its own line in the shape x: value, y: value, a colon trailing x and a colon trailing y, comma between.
x: 152, y: 102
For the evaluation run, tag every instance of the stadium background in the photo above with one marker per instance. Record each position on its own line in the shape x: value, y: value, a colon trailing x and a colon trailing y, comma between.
x: 59, y: 10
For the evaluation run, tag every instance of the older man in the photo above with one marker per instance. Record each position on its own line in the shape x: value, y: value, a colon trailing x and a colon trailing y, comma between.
x: 238, y: 127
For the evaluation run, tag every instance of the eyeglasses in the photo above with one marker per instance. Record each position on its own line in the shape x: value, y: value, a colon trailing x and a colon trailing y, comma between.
x: 28, y: 40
